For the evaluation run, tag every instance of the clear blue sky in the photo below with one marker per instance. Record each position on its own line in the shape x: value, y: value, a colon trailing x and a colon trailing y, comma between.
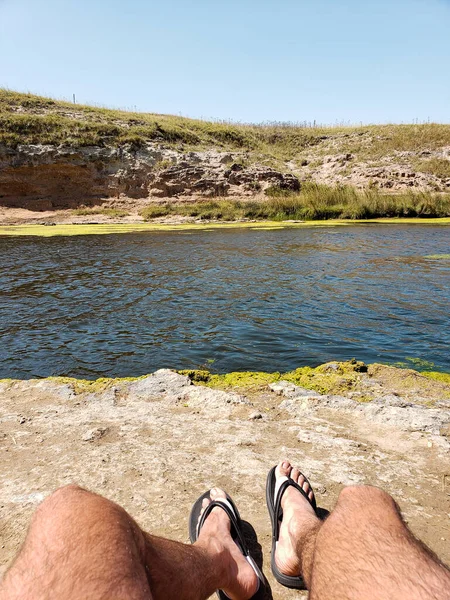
x: 250, y: 60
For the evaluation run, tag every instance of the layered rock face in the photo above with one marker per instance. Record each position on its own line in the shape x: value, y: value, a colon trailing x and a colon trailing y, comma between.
x: 45, y: 177
x: 211, y: 173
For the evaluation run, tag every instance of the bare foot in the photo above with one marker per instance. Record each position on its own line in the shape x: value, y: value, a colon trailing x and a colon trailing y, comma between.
x: 299, y: 519
x: 240, y: 579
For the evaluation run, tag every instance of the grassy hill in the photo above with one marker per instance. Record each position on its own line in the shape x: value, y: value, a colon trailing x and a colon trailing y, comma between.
x: 30, y: 119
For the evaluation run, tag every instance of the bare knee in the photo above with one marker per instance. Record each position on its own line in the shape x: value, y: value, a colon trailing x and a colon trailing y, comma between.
x: 365, y: 495
x: 74, y: 535
x: 64, y: 494
x: 366, y: 503
x: 61, y: 500
x: 72, y: 508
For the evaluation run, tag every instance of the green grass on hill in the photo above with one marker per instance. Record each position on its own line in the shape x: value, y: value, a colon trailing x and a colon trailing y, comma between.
x: 29, y: 119
x: 436, y: 166
x: 313, y: 202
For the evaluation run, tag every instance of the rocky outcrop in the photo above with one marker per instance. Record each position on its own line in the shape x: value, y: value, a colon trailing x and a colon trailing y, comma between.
x: 213, y: 174
x: 387, y: 409
x: 396, y: 172
x: 46, y: 177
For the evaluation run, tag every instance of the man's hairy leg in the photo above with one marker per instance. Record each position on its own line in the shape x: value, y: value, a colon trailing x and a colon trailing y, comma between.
x: 365, y: 551
x: 80, y: 545
x: 362, y: 551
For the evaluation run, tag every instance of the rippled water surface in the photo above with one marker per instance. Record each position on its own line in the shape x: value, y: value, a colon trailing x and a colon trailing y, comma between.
x: 119, y: 305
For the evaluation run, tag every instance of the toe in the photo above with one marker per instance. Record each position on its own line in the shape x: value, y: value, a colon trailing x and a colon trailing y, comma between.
x: 217, y: 493
x: 295, y: 474
x: 283, y: 469
x: 205, y: 503
x: 311, y: 495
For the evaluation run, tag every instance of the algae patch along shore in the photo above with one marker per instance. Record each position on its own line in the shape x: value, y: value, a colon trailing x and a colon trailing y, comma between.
x: 342, y: 378
x: 117, y: 228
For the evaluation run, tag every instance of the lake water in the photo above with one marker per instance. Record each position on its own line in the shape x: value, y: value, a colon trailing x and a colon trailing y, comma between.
x: 125, y: 305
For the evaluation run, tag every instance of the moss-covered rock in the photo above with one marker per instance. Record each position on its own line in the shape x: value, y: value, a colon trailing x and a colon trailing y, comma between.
x: 196, y: 375
x: 87, y: 386
x: 244, y: 379
x: 333, y: 377
x: 329, y: 378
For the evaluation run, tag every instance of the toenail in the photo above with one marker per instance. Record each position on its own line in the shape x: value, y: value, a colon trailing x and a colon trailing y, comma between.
x: 285, y: 464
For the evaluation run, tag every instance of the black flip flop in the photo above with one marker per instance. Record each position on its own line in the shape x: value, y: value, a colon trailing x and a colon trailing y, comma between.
x: 276, y: 516
x: 230, y: 508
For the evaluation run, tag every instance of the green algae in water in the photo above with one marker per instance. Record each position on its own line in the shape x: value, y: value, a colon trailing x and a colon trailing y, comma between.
x: 116, y: 228
x: 420, y: 363
x: 438, y: 256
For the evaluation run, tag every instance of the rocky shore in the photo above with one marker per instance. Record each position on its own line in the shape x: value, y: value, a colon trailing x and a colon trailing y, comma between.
x: 155, y: 443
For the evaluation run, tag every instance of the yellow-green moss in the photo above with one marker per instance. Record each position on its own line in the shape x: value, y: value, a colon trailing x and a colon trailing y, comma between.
x: 244, y: 379
x: 363, y: 399
x: 443, y: 377
x: 84, y: 386
x: 330, y: 378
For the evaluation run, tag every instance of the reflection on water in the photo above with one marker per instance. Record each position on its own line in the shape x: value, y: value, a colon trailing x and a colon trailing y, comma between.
x: 123, y: 305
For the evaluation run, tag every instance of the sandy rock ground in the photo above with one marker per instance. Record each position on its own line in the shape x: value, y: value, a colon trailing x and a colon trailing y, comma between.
x: 155, y: 444
x: 23, y: 216
x: 132, y: 206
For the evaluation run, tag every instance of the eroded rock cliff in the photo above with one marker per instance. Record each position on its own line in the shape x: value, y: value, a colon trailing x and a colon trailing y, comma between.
x: 43, y: 177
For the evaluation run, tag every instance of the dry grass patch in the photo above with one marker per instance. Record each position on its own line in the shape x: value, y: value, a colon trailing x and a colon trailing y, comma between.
x: 435, y: 166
